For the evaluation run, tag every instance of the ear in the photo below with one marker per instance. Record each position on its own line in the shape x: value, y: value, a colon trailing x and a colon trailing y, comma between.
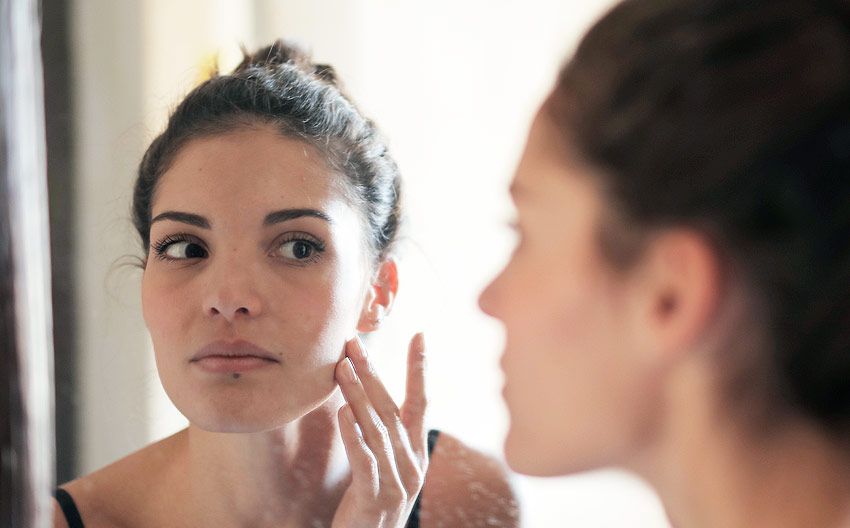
x: 379, y: 297
x: 680, y: 281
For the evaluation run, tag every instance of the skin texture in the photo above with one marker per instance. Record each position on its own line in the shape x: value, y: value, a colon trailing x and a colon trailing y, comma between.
x: 623, y: 367
x: 277, y: 445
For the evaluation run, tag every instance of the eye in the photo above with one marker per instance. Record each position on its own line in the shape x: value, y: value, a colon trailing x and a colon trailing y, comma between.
x: 179, y: 247
x: 185, y: 250
x: 299, y: 248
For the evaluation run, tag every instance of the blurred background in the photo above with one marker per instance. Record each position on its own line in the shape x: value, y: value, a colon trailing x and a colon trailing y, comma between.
x: 452, y: 84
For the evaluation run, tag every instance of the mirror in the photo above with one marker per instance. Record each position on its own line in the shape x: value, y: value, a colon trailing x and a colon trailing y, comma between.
x: 452, y: 85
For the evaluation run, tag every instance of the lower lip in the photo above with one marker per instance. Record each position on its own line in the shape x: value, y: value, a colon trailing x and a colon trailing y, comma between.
x: 232, y: 363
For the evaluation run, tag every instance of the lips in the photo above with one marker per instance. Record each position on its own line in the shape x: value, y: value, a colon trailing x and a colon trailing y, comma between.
x: 233, y: 356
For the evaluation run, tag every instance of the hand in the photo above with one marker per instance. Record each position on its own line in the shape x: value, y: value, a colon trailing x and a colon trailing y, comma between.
x: 386, y: 446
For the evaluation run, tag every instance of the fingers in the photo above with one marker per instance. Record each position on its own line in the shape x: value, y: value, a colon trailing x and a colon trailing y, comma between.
x: 364, y: 468
x: 408, y: 446
x: 374, y: 432
x: 415, y: 401
x: 395, y: 437
x: 383, y: 403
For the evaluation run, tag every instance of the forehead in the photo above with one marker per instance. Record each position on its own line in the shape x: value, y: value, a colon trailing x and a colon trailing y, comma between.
x: 247, y: 167
x: 545, y: 165
x: 552, y: 182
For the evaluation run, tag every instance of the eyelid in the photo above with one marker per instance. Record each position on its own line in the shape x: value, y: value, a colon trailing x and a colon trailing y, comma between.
x: 159, y: 248
x: 290, y: 236
x: 296, y: 236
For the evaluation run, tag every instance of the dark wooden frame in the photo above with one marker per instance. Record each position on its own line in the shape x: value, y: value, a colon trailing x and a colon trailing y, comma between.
x: 26, y: 420
x: 59, y: 116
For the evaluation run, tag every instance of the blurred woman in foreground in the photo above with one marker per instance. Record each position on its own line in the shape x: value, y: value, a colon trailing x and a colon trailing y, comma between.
x: 679, y: 302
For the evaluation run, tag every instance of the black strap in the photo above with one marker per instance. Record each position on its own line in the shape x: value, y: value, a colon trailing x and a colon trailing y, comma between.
x: 69, y: 509
x: 413, y: 521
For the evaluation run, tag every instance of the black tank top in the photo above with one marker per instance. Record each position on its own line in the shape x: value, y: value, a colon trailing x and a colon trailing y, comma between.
x: 72, y: 514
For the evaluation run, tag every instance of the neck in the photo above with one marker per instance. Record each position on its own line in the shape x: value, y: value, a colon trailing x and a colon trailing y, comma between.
x: 711, y: 471
x: 290, y: 476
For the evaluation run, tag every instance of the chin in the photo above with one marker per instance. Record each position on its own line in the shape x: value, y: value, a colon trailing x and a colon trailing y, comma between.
x: 235, y: 411
x: 537, y: 453
x: 523, y: 458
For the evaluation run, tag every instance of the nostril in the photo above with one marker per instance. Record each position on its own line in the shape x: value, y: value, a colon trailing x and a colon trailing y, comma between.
x: 229, y: 311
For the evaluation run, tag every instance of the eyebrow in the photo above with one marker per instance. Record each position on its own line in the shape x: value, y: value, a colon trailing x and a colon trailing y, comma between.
x: 273, y: 218
x: 186, y: 218
x: 289, y: 214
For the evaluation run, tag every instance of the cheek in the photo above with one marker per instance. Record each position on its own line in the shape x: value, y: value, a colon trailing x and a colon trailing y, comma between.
x: 560, y: 329
x: 163, y: 315
x: 552, y: 301
x: 574, y: 382
x: 315, y: 316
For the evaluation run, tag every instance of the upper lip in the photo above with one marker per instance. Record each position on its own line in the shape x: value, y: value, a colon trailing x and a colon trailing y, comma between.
x: 237, y: 348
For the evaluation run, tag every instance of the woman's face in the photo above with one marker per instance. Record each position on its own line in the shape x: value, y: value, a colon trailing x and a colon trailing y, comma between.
x: 575, y: 385
x: 256, y: 276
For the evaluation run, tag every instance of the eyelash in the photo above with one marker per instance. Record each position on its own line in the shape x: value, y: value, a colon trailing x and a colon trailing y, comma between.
x: 160, y: 248
x: 317, y: 245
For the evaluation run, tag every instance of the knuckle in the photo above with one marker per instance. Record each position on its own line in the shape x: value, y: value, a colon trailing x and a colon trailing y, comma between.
x: 373, y: 467
x: 397, y: 426
x: 395, y: 494
x: 389, y: 410
x: 419, y: 404
x: 413, y: 483
x: 369, y: 467
x: 381, y: 427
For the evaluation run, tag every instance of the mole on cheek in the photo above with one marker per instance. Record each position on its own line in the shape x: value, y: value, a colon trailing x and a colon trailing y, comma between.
x: 236, y: 375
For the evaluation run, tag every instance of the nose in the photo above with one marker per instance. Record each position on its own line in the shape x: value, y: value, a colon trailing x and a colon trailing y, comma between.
x: 232, y: 296
x: 487, y: 298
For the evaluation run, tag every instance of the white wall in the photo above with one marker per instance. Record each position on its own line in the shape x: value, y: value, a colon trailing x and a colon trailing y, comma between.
x: 115, y: 370
x: 452, y: 84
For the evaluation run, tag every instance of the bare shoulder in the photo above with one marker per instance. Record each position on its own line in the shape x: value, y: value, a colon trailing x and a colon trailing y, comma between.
x: 58, y: 516
x: 115, y: 496
x: 465, y: 487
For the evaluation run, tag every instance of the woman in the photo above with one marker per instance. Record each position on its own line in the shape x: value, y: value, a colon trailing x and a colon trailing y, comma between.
x: 268, y: 210
x: 679, y: 300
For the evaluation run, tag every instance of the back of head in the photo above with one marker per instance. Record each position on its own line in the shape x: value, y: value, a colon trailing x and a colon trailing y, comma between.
x: 732, y: 117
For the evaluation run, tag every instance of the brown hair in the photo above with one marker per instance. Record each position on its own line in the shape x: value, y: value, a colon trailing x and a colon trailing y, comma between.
x: 279, y: 85
x: 732, y: 117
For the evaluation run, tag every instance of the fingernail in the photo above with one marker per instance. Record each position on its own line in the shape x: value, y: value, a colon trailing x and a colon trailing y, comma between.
x: 419, y: 343
x: 348, y: 371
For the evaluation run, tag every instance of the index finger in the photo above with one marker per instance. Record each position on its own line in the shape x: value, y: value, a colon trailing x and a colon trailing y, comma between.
x: 415, y: 401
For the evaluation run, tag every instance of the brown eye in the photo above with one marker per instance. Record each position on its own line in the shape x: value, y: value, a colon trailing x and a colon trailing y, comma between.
x: 184, y: 250
x: 297, y: 249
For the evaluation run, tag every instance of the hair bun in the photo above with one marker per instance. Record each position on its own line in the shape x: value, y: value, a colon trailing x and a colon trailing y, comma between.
x: 283, y: 52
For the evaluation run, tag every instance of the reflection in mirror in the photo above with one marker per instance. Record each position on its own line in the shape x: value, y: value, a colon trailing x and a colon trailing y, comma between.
x: 268, y: 212
x: 438, y: 90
